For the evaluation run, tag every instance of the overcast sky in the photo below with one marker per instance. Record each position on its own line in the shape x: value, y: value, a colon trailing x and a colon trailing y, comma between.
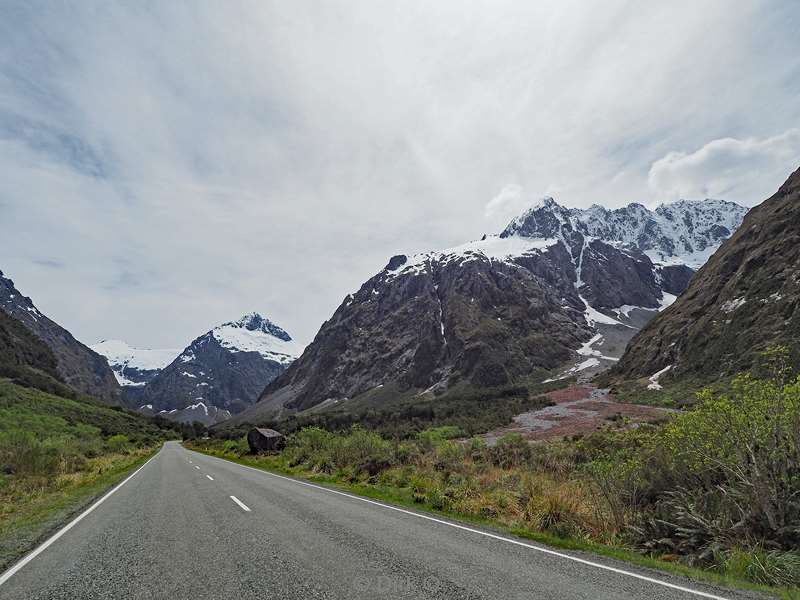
x: 166, y: 166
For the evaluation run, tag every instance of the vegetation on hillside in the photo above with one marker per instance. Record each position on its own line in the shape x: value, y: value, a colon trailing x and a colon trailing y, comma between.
x: 395, y: 415
x: 716, y: 487
x: 56, y: 453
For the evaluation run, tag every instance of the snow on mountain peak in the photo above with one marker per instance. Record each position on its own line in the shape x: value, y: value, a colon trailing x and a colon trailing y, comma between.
x: 684, y: 232
x: 255, y: 333
x: 255, y: 322
x: 491, y: 248
x: 134, y: 366
x: 120, y: 353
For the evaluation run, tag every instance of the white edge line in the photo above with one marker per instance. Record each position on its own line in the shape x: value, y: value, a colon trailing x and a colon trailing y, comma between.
x: 210, y: 478
x: 479, y: 532
x: 13, y: 570
x: 241, y: 504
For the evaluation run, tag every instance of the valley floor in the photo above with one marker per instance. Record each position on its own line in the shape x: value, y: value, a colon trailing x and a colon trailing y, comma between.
x: 576, y: 410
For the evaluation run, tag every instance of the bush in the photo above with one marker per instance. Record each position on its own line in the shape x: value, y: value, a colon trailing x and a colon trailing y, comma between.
x: 118, y: 443
x: 511, y: 450
x: 359, y: 451
x: 430, y: 438
x: 447, y: 456
x: 555, y: 511
x: 22, y: 454
x: 725, y: 474
x: 239, y: 446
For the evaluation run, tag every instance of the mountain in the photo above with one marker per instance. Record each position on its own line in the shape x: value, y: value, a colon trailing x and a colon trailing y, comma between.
x: 220, y: 373
x: 558, y: 289
x: 745, y: 299
x: 134, y: 367
x: 76, y: 365
x: 682, y: 233
x: 26, y: 359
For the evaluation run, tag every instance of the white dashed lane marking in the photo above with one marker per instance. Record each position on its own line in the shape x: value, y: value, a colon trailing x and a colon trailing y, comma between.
x: 241, y: 504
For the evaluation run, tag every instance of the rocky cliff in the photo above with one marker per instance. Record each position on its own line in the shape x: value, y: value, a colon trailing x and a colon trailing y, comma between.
x: 745, y: 299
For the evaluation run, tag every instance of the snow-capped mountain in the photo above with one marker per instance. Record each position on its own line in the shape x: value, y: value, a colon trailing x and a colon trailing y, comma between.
x: 78, y: 366
x: 685, y: 232
x: 559, y: 292
x: 221, y: 372
x: 134, y: 366
x: 254, y: 333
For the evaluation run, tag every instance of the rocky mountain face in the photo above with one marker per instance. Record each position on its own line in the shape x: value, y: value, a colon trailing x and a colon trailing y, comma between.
x: 134, y: 367
x: 557, y: 286
x: 20, y: 350
x: 77, y: 365
x: 745, y: 299
x: 220, y: 373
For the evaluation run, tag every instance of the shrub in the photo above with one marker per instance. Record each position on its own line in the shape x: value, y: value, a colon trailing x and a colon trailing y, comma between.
x: 724, y: 474
x: 511, y: 450
x: 764, y: 567
x: 238, y: 446
x: 447, y: 456
x: 118, y: 443
x: 556, y: 511
x: 430, y: 438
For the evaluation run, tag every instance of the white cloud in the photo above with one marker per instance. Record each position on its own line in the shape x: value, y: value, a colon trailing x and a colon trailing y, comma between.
x: 506, y: 204
x: 745, y: 170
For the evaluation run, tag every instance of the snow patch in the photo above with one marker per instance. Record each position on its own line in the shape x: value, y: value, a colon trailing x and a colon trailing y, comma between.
x: 493, y: 248
x: 654, y: 385
x: 587, y: 350
x: 666, y: 300
x: 732, y: 305
x: 119, y: 353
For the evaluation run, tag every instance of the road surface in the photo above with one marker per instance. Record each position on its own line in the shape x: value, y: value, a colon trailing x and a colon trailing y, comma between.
x: 195, y: 527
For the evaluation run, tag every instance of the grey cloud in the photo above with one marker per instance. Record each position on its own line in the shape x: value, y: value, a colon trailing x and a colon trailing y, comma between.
x: 271, y: 156
x: 49, y: 263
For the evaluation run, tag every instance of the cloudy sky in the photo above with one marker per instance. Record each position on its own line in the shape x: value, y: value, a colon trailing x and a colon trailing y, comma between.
x: 165, y: 166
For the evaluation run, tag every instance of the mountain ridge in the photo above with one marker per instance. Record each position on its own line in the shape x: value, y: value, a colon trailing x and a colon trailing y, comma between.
x: 492, y: 312
x: 78, y: 366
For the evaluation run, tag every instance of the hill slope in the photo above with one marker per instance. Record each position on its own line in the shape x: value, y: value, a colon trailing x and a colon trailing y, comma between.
x: 745, y: 299
x: 546, y: 292
x: 77, y: 365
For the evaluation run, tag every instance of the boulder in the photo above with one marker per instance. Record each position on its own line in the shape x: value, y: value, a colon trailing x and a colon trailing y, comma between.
x: 265, y: 440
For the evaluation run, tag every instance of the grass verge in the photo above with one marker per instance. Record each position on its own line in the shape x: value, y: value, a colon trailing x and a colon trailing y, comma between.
x: 31, y: 517
x: 403, y: 497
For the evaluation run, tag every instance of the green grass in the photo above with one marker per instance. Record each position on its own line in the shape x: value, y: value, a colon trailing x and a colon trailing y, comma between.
x: 404, y: 497
x: 56, y: 455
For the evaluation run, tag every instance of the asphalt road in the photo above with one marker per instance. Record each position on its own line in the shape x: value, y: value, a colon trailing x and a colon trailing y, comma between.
x: 195, y: 527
